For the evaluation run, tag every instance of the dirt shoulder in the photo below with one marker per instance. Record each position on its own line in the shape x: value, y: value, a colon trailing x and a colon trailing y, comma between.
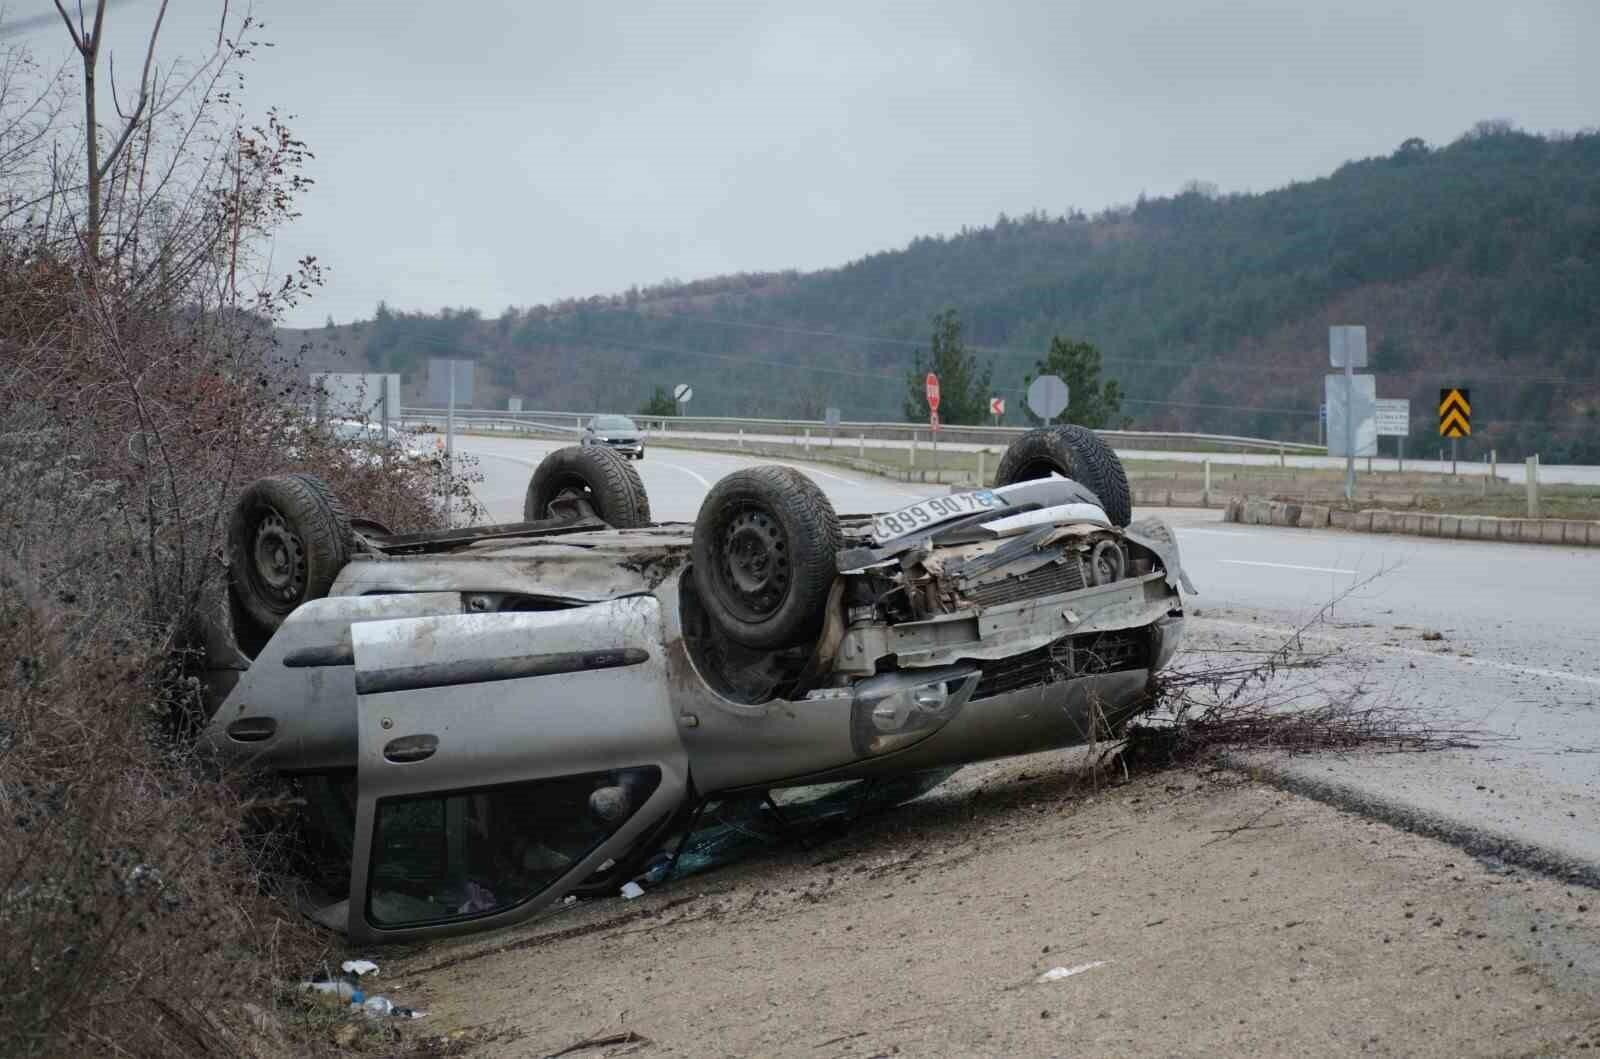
x: 1214, y: 914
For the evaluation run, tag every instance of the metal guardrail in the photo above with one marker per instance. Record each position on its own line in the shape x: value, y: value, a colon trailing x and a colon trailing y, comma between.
x: 568, y: 423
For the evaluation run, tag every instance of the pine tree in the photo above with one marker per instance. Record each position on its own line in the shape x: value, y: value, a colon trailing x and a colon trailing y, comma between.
x: 963, y: 391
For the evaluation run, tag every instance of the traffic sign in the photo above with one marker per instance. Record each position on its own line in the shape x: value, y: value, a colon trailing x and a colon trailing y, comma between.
x: 1047, y: 396
x: 682, y: 392
x: 997, y: 406
x: 1352, y: 414
x: 830, y: 416
x: 1347, y: 343
x: 932, y: 384
x: 1394, y: 417
x: 1455, y: 413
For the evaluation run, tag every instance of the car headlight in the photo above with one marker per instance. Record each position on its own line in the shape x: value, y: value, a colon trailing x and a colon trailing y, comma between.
x: 894, y: 710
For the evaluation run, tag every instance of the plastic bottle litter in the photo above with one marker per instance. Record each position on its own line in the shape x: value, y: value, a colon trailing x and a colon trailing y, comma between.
x: 630, y: 890
x: 377, y: 1006
x: 334, y: 988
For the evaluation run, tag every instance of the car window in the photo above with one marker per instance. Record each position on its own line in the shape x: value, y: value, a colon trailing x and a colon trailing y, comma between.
x: 612, y: 423
x: 452, y: 856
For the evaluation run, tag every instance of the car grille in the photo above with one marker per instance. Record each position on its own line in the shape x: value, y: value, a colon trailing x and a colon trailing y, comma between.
x: 1050, y: 580
x: 1067, y: 658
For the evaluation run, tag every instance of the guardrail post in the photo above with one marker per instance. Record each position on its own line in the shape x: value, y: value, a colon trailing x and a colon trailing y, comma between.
x: 861, y: 445
x: 808, y: 439
x: 1533, y: 485
x: 1494, y: 464
x: 741, y: 437
x: 913, y: 448
x: 1282, y: 464
x: 981, y: 476
x: 1206, y: 497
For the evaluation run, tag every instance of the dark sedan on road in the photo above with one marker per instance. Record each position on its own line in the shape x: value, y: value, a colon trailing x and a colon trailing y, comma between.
x: 616, y: 432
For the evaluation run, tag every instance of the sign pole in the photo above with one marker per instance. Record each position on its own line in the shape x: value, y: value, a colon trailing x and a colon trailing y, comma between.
x: 1402, y: 440
x: 1349, y: 425
x: 1453, y: 472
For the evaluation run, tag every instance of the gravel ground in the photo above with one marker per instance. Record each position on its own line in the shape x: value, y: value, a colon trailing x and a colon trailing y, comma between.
x: 1203, y: 913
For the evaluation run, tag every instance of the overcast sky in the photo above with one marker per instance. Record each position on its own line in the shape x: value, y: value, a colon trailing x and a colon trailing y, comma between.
x: 497, y: 152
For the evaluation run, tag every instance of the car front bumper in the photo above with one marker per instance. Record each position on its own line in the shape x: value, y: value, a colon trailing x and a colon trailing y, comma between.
x: 634, y: 447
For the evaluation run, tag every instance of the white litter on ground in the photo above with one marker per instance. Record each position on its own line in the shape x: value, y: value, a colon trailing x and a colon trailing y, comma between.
x: 1055, y: 974
x: 359, y: 967
x: 630, y: 890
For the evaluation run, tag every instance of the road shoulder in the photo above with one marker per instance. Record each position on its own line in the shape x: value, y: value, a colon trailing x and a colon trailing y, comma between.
x: 1201, y: 912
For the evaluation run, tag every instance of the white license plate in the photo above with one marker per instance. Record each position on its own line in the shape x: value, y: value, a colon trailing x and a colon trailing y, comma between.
x: 939, y: 509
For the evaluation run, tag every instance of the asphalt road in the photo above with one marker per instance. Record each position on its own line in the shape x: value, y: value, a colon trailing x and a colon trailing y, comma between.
x: 1519, y: 658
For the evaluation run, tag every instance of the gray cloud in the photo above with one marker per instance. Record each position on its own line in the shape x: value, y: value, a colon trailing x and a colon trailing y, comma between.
x: 492, y: 153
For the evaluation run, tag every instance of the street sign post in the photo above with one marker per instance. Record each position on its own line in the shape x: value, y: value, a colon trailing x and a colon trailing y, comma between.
x: 1347, y: 349
x: 1455, y: 418
x: 682, y: 393
x: 997, y: 408
x: 931, y: 387
x: 1048, y: 396
x: 1394, y: 421
x: 1352, y: 425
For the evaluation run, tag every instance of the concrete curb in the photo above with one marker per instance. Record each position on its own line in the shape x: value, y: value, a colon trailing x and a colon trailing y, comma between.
x: 1256, y: 511
x: 1487, y: 844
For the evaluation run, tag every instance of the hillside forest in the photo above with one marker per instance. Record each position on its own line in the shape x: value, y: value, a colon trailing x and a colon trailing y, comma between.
x: 1475, y: 264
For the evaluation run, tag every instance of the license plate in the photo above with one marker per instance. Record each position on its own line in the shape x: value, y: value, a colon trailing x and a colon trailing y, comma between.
x: 938, y: 509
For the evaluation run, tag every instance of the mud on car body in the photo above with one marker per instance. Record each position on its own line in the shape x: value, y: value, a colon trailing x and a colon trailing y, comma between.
x: 489, y: 719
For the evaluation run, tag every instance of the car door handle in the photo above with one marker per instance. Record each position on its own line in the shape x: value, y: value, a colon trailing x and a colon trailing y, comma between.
x: 409, y: 748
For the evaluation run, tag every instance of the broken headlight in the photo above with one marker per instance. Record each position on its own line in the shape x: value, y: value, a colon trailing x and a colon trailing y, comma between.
x: 894, y: 710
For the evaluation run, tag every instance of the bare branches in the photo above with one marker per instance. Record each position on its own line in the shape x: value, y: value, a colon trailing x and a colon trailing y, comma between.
x: 132, y: 118
x: 1246, y: 701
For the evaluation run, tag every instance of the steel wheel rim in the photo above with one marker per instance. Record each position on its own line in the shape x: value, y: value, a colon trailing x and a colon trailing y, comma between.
x: 755, y: 566
x: 278, y: 561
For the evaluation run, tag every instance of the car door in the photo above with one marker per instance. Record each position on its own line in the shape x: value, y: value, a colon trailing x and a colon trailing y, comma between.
x: 504, y: 758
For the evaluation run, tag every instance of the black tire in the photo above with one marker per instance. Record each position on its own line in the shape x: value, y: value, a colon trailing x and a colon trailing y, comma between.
x: 288, y: 538
x: 597, y: 475
x: 765, y: 547
x: 1073, y: 452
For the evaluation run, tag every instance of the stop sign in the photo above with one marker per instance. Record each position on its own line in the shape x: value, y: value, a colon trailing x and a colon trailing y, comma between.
x: 933, y: 392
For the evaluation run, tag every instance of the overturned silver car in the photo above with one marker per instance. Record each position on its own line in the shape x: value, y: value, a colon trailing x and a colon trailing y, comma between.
x: 489, y: 719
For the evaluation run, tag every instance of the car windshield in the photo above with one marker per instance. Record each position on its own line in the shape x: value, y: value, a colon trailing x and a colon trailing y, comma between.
x: 618, y: 423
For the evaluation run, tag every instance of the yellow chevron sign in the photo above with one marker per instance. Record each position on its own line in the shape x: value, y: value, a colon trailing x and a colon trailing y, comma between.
x: 1455, y: 413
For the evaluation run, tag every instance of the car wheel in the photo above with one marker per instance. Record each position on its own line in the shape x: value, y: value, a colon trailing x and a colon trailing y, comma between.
x: 765, y: 544
x: 1073, y: 452
x: 591, y: 473
x: 288, y: 538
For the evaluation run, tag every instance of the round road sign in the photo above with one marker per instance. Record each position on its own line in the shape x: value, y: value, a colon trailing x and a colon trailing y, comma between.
x: 682, y: 392
x: 1047, y: 396
x: 933, y: 392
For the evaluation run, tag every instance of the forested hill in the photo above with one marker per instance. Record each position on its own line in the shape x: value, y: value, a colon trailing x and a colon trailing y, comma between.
x: 1475, y: 264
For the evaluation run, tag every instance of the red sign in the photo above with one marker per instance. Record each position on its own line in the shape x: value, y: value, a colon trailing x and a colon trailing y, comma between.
x: 933, y: 420
x: 933, y: 392
x: 997, y: 406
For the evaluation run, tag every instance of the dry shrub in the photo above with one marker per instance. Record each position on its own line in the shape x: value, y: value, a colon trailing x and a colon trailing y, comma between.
x: 140, y: 908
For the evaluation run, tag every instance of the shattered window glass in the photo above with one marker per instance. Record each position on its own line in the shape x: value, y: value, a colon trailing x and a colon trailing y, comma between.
x: 439, y: 857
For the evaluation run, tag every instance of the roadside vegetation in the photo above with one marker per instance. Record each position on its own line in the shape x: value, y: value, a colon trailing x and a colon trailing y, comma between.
x: 142, y: 892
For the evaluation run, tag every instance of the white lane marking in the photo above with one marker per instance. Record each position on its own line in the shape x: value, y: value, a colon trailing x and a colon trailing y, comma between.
x: 673, y: 466
x: 1529, y: 671
x: 1287, y: 566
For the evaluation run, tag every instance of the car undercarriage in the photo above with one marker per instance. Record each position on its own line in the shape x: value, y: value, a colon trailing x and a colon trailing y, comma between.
x: 516, y: 712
